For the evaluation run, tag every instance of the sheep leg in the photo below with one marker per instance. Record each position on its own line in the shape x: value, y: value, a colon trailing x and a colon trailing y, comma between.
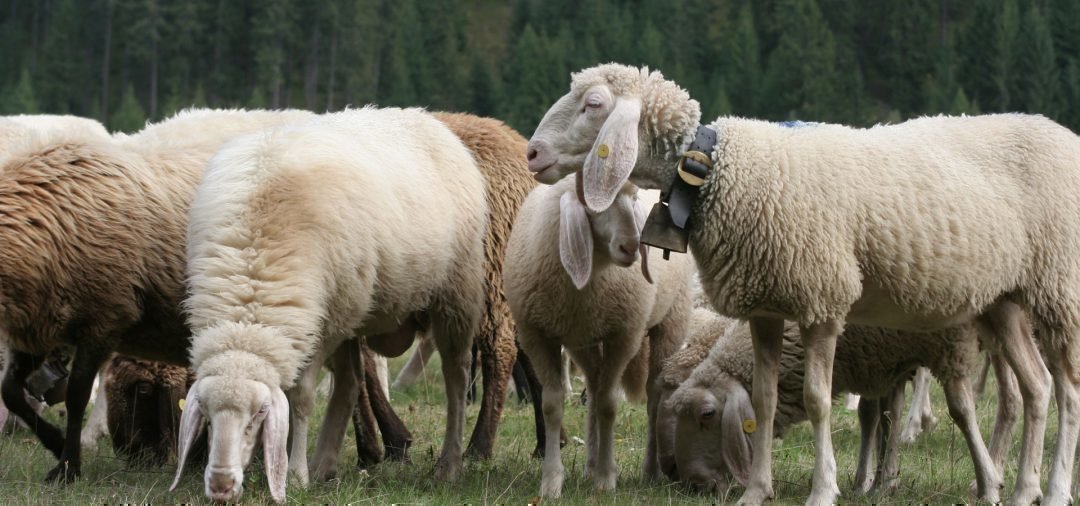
x: 543, y: 353
x: 497, y: 352
x: 348, y: 366
x: 454, y: 344
x: 819, y: 341
x: 920, y: 416
x: 537, y: 392
x: 961, y: 402
x: 887, y: 478
x: 14, y: 388
x: 1007, y: 415
x: 301, y: 401
x: 521, y: 381
x: 1065, y: 368
x: 97, y: 423
x: 768, y: 337
x: 591, y: 381
x: 84, y: 367
x: 368, y: 452
x: 414, y: 368
x: 869, y: 412
x: 984, y: 373
x: 1007, y: 324
x: 395, y: 435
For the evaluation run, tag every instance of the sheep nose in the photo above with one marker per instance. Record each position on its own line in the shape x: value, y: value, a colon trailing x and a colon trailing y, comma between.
x: 628, y: 249
x: 669, y: 467
x: 539, y: 154
x: 221, y: 484
x: 531, y: 153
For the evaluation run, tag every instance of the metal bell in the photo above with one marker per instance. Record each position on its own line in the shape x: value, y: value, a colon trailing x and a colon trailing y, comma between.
x: 660, y: 231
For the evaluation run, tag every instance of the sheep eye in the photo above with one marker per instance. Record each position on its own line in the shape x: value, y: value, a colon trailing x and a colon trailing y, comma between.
x: 708, y: 413
x: 143, y: 389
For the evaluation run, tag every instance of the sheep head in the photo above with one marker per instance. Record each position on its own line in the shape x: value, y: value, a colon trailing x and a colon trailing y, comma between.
x: 612, y: 115
x: 712, y: 432
x: 236, y: 412
x: 616, y: 231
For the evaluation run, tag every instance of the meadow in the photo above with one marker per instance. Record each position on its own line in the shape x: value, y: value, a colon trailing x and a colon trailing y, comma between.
x: 936, y: 469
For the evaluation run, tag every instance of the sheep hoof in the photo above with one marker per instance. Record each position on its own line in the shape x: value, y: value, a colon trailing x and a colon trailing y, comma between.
x: 1028, y: 496
x: 447, y: 471
x: 607, y: 482
x: 64, y: 473
x: 551, y: 486
x: 822, y: 498
x: 755, y: 497
x: 1055, y: 500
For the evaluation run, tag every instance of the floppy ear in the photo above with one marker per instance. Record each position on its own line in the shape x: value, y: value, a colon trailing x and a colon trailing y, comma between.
x: 168, y: 404
x: 736, y: 449
x: 575, y: 240
x: 275, y: 438
x: 639, y: 222
x: 191, y: 425
x: 613, y: 155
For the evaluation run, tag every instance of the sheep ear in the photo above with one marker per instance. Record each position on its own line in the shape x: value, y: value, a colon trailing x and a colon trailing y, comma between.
x: 275, y: 436
x: 168, y: 404
x: 639, y: 222
x: 737, y: 422
x: 191, y: 426
x: 613, y: 155
x: 575, y: 240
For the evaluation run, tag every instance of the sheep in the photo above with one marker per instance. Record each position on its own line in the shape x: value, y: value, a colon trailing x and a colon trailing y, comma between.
x: 363, y: 222
x: 144, y: 407
x: 93, y: 230
x: 872, y: 362
x: 565, y: 289
x: 931, y: 223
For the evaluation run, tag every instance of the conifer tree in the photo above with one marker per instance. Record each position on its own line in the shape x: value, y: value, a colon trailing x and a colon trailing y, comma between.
x: 129, y: 116
x: 21, y: 98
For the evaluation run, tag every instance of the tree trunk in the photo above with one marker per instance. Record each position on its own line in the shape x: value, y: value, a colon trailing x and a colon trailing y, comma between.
x: 333, y: 68
x: 311, y: 80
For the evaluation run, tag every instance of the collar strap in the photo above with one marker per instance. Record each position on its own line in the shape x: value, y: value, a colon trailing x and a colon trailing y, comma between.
x: 666, y: 227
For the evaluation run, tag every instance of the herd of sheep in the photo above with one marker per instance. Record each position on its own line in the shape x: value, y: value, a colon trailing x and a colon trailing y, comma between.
x: 213, y: 263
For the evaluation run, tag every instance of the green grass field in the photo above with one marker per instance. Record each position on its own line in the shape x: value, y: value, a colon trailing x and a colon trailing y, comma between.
x: 936, y: 469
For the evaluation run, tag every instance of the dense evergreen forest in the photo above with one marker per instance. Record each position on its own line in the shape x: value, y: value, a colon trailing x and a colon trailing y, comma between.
x: 852, y: 61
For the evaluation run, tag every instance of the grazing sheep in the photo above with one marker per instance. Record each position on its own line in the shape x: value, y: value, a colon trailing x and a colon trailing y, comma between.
x: 93, y: 231
x: 874, y: 363
x: 566, y: 288
x: 363, y: 222
x: 931, y: 223
x: 144, y: 408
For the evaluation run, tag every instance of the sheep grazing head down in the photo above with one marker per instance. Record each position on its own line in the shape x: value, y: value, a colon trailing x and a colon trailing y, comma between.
x: 712, y: 433
x: 615, y: 233
x: 612, y: 115
x: 238, y: 413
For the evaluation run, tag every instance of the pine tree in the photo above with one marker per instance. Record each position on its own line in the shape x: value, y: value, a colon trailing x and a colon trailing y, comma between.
x: 743, y: 69
x: 913, y: 27
x: 801, y: 74
x: 1037, y: 66
x: 21, y: 99
x: 530, y: 92
x: 484, y: 89
x: 129, y: 116
x: 60, y: 60
x: 272, y: 32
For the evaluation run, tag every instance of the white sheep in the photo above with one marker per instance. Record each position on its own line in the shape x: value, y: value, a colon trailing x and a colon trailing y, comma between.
x: 565, y: 286
x: 93, y: 234
x: 363, y: 222
x: 875, y: 363
x: 930, y: 223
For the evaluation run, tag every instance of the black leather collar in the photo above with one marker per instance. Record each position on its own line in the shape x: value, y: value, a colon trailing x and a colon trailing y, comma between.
x: 666, y: 227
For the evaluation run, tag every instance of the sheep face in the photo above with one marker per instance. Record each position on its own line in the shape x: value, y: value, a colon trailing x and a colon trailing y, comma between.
x: 712, y: 434
x: 144, y: 408
x: 611, y: 235
x: 594, y: 130
x: 236, y: 412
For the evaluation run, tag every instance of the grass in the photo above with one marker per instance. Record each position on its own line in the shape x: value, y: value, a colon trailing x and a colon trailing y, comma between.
x: 935, y: 469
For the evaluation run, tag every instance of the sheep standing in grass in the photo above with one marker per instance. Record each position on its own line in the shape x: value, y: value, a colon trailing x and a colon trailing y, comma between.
x: 364, y: 222
x: 566, y: 287
x: 706, y: 413
x: 144, y: 407
x: 93, y: 233
x: 928, y: 224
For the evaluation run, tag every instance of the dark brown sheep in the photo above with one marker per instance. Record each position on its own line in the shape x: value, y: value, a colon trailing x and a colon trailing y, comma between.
x: 144, y: 408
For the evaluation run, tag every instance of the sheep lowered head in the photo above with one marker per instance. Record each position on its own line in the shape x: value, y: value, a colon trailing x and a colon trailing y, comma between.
x: 612, y: 115
x: 712, y: 433
x: 615, y: 233
x: 238, y: 399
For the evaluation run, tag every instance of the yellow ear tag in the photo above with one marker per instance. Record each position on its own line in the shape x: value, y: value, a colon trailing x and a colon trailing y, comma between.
x: 749, y: 426
x: 181, y: 403
x: 603, y: 151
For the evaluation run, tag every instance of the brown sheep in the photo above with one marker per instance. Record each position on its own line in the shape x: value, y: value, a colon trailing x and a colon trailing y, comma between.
x: 94, y: 234
x: 144, y: 408
x: 500, y: 154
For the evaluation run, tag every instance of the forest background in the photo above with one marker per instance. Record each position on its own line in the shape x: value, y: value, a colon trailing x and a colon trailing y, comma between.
x: 852, y: 61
